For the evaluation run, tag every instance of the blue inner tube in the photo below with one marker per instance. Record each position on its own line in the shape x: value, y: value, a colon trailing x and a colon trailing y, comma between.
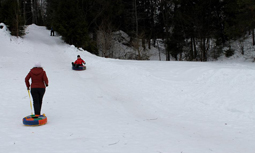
x: 79, y: 68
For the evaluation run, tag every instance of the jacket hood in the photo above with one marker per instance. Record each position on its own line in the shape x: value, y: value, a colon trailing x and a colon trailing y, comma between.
x: 37, y: 70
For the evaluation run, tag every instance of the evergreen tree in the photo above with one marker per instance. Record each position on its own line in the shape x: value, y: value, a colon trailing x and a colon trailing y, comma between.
x: 12, y: 17
x: 187, y: 26
x: 68, y: 19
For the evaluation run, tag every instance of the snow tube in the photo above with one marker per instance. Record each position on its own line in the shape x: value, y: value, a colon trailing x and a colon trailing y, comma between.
x: 35, y: 120
x: 79, y: 68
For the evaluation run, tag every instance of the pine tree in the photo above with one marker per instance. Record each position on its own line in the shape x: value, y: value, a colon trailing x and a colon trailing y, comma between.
x: 68, y: 19
x: 12, y: 17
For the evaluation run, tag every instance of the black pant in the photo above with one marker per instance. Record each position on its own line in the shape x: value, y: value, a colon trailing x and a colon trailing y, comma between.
x: 52, y: 33
x: 76, y: 65
x: 37, y: 94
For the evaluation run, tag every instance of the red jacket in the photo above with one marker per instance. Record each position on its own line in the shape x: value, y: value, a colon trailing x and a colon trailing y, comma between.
x: 39, y: 78
x: 79, y: 61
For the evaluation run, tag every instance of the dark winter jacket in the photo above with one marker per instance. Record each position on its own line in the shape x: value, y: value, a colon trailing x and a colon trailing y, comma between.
x: 38, y: 76
x: 79, y: 61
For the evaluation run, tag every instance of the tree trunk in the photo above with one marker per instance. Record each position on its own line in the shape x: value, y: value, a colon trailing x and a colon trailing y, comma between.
x: 253, y: 41
x: 203, y: 48
x: 191, y: 57
x: 136, y: 19
x: 149, y: 43
x: 159, y: 51
x: 17, y: 19
x: 143, y: 43
x: 195, y: 49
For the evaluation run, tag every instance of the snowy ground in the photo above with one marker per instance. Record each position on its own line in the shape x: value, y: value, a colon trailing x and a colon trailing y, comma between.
x: 123, y: 106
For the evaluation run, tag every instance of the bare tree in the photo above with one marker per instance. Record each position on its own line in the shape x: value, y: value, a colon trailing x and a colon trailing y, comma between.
x: 105, y: 39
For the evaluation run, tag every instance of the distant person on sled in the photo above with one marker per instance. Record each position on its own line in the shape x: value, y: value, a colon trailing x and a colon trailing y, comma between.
x: 78, y: 62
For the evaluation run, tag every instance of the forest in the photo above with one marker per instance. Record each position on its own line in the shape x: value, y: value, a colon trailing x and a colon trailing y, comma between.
x: 191, y: 30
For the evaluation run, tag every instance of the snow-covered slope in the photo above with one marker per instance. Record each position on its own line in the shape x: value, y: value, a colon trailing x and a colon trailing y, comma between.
x: 123, y: 106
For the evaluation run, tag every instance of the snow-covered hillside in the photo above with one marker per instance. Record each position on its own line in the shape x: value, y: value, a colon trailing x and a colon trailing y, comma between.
x: 123, y: 106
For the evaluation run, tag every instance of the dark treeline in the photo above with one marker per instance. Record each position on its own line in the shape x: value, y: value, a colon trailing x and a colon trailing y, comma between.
x: 190, y: 29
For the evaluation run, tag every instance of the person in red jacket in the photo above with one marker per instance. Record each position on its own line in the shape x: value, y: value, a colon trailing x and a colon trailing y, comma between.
x: 39, y: 82
x: 78, y: 62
